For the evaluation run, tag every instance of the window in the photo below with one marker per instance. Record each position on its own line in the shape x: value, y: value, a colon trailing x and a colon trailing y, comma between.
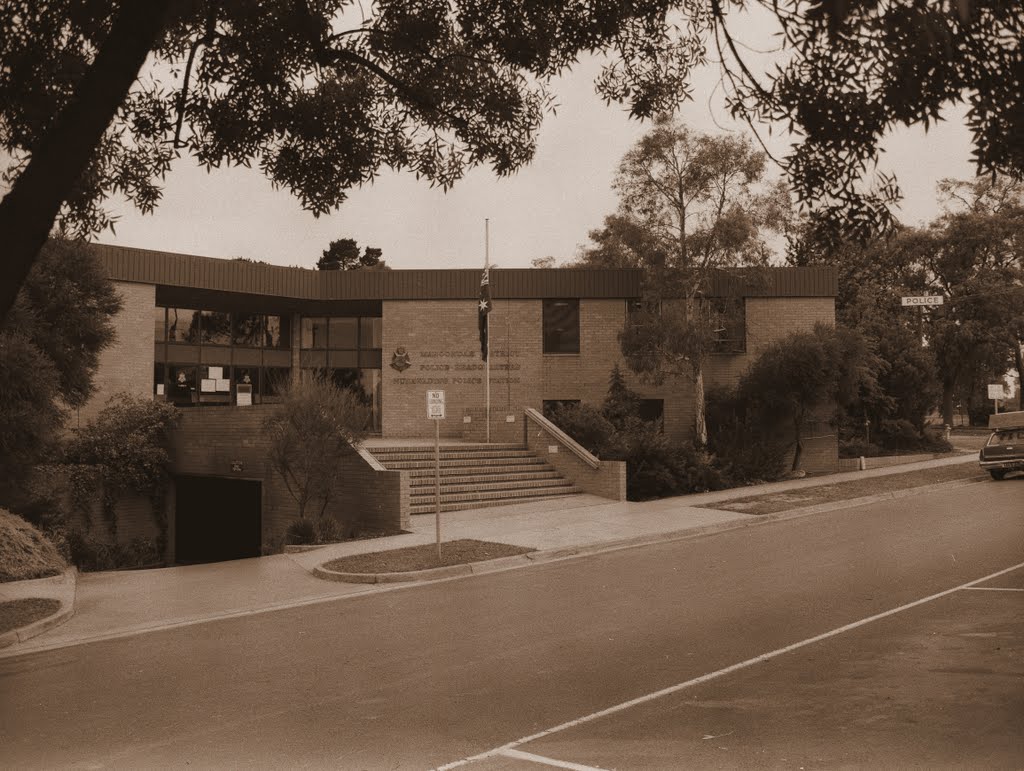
x: 215, y: 384
x: 246, y: 329
x: 182, y: 386
x: 277, y: 332
x: 551, y: 406
x: 183, y: 325
x: 653, y: 411
x: 728, y: 323
x: 561, y: 326
x: 370, y: 332
x: 343, y: 333
x: 314, y: 332
x: 215, y: 327
x: 159, y: 385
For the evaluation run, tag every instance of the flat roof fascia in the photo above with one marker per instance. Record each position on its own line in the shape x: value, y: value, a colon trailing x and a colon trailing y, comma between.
x: 208, y: 274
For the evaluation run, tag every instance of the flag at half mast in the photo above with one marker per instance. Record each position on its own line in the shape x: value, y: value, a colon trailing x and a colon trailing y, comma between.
x: 484, y: 308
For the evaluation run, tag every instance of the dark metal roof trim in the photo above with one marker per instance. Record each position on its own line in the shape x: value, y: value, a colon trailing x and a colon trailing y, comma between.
x: 236, y: 276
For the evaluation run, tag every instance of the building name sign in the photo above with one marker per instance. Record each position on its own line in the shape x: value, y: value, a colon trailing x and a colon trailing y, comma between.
x: 935, y: 299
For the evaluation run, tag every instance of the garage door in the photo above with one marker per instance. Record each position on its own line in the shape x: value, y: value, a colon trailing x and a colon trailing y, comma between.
x: 216, y: 519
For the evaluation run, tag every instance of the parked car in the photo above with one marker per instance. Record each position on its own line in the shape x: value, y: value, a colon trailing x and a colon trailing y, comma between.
x: 1004, y: 450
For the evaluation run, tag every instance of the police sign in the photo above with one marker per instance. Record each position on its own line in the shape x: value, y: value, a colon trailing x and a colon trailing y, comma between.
x: 935, y: 299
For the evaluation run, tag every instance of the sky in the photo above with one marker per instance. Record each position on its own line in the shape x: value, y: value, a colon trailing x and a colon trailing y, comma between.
x: 545, y: 209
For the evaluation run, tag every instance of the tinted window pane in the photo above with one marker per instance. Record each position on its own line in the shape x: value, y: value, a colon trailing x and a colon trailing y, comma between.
x: 343, y: 333
x: 216, y: 327
x: 183, y: 386
x: 246, y: 328
x: 183, y: 325
x: 277, y: 332
x: 314, y: 333
x: 652, y: 411
x: 159, y: 387
x: 274, y: 380
x: 371, y: 332
x: 561, y: 326
x: 159, y: 325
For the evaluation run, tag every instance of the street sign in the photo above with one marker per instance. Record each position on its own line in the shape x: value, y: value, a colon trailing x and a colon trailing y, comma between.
x: 435, y: 405
x: 934, y: 299
x: 996, y: 391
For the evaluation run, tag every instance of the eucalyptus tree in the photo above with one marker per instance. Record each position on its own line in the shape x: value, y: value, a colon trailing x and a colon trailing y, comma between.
x: 690, y: 206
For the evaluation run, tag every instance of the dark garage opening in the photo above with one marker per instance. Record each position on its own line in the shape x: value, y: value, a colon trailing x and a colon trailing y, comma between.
x: 216, y: 519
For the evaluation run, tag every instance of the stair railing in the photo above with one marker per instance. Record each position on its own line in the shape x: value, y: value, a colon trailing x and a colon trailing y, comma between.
x: 581, y: 452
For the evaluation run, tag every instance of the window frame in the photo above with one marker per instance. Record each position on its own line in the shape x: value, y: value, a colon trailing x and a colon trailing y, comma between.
x: 547, y: 333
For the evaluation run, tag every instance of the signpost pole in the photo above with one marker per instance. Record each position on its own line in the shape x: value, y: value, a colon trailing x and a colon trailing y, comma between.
x: 437, y: 485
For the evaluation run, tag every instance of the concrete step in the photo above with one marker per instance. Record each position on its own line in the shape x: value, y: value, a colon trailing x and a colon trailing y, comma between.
x: 462, y: 463
x: 536, y: 467
x: 400, y: 448
x: 486, y: 504
x: 483, y: 479
x: 451, y: 454
x: 482, y: 488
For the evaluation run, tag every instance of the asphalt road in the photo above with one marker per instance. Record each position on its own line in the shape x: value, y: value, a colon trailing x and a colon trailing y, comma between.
x: 424, y: 676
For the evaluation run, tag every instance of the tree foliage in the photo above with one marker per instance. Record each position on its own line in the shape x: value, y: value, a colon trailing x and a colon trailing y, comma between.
x: 690, y: 206
x: 807, y: 373
x: 124, y: 450
x: 49, y: 350
x: 343, y: 254
x: 100, y: 98
x: 314, y: 428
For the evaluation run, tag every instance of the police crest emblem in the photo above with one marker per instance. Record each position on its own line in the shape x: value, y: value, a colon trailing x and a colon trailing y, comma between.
x: 400, y: 360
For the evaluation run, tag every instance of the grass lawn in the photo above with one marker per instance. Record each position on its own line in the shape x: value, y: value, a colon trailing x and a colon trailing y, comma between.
x: 813, y: 496
x: 424, y: 557
x: 18, y: 613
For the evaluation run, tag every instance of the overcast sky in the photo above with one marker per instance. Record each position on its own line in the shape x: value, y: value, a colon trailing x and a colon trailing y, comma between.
x: 546, y: 209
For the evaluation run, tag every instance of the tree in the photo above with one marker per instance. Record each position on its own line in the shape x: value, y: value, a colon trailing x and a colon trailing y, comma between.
x: 321, y: 100
x: 315, y: 427
x: 49, y: 351
x: 343, y: 254
x: 688, y: 207
x: 804, y: 372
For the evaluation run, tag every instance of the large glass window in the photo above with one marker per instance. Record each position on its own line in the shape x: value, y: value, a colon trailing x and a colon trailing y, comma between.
x: 216, y: 327
x: 343, y: 333
x: 561, y: 326
x: 728, y: 323
x: 182, y: 386
x: 246, y: 329
x: 653, y: 411
x: 183, y: 325
x: 314, y: 332
x: 371, y: 332
x: 277, y: 332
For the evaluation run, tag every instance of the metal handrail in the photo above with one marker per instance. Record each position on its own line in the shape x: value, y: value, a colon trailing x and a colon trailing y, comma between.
x: 579, y: 450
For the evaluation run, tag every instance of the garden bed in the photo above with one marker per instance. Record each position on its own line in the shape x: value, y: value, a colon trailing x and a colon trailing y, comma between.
x: 15, y: 614
x: 424, y: 557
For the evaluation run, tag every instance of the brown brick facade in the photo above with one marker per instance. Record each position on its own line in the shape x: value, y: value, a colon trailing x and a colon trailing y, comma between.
x: 126, y: 366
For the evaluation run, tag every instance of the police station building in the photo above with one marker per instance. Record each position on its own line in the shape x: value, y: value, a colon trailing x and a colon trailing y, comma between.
x: 222, y: 339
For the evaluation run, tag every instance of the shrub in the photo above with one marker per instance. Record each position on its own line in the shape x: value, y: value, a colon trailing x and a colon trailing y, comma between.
x: 91, y: 554
x: 329, y: 530
x: 858, y: 448
x: 301, y: 532
x: 123, y: 451
x: 745, y: 451
x: 24, y: 551
x: 586, y: 425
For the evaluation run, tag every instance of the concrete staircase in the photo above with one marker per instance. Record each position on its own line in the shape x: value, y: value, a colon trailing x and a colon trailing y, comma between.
x: 473, y: 475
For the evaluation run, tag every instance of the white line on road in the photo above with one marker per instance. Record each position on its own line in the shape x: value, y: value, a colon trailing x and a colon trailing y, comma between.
x: 503, y: 749
x: 520, y: 755
x: 993, y: 589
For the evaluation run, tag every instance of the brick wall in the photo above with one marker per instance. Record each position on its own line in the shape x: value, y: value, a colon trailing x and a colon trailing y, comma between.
x: 208, y: 441
x: 608, y: 480
x: 126, y: 366
x: 442, y: 340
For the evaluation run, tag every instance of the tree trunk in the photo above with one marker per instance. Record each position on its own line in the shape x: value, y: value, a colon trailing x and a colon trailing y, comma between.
x: 947, y: 403
x: 28, y: 211
x: 799, y: 449
x: 700, y: 424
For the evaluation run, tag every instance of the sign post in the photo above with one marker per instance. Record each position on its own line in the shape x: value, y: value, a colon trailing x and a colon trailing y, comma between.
x: 435, y: 412
x: 995, y: 393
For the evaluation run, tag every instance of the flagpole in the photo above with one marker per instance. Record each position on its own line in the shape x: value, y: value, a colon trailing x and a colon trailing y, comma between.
x: 487, y: 321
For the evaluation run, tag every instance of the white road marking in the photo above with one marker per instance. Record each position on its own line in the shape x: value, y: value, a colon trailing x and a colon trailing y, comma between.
x: 519, y: 754
x: 505, y: 748
x: 993, y: 589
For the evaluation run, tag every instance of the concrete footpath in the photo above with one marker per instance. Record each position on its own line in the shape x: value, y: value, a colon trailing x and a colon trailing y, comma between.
x: 116, y: 604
